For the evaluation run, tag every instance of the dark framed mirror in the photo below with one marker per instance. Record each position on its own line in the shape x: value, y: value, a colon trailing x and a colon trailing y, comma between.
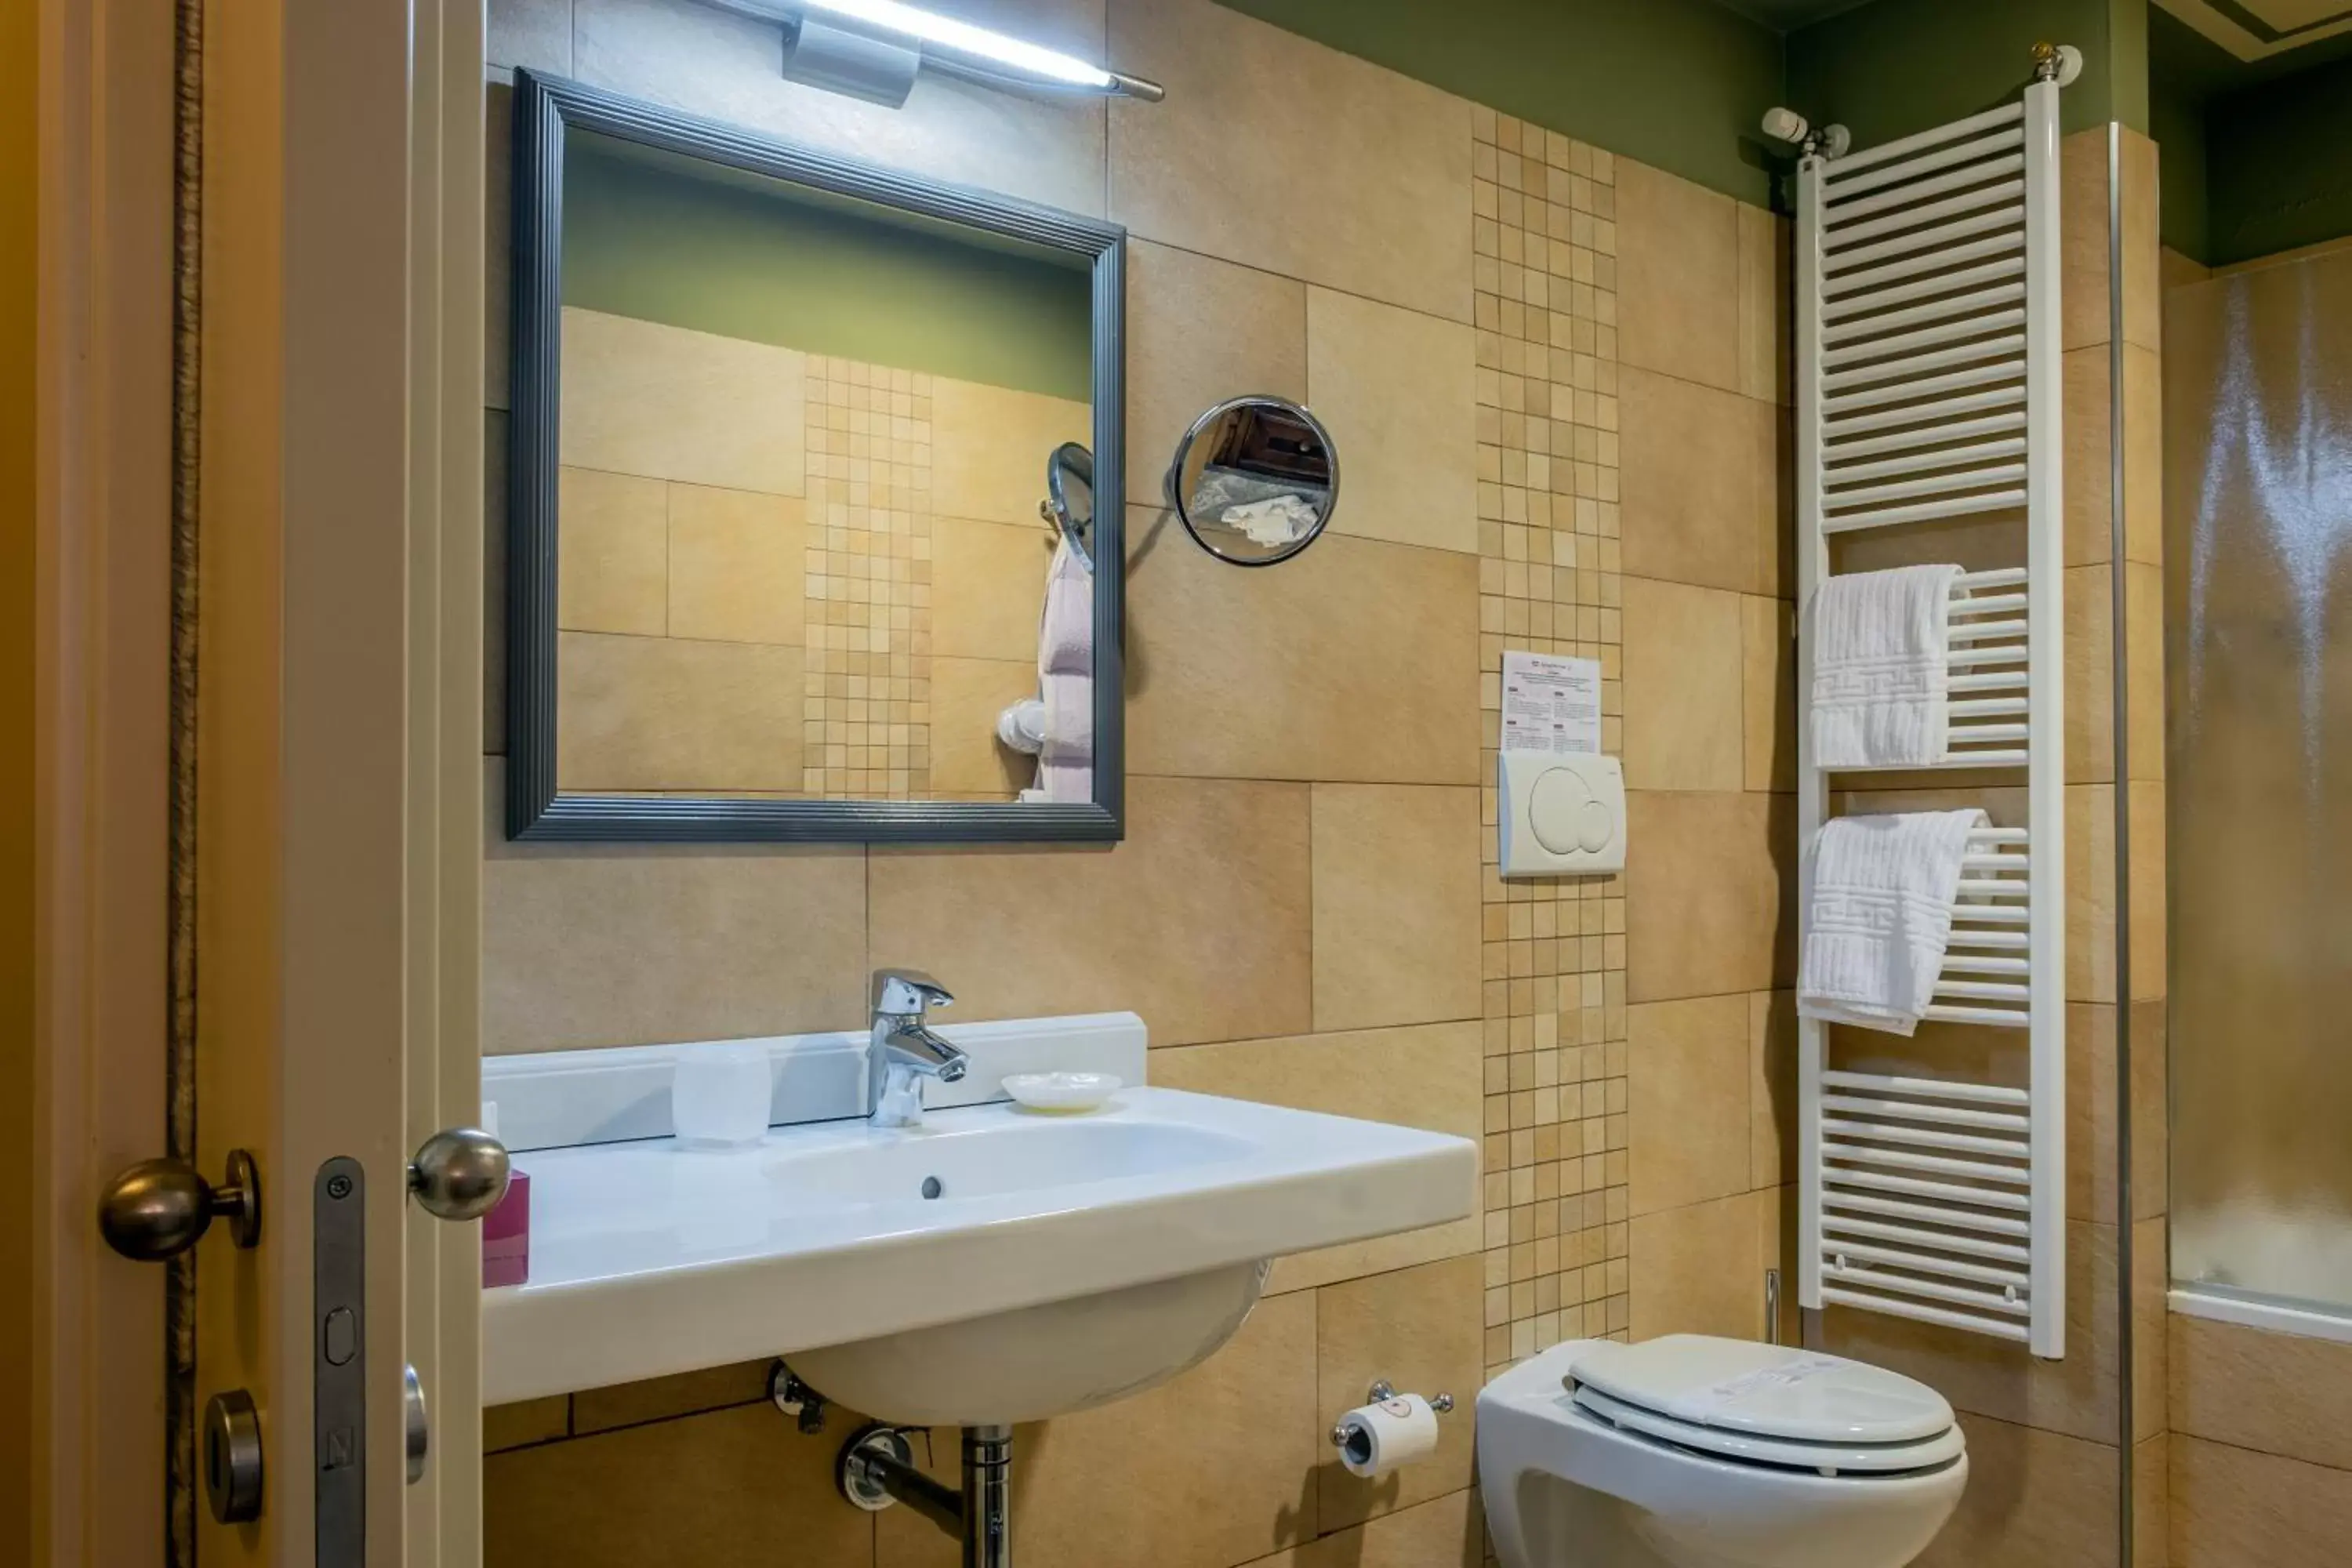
x: 802, y: 453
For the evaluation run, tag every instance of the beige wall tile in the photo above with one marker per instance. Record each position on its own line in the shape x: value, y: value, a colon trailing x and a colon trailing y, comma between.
x: 1700, y: 481
x: 2035, y: 1499
x: 2151, y: 1132
x: 1771, y: 1088
x: 2144, y: 669
x: 2088, y: 646
x: 967, y: 695
x: 1356, y: 662
x: 1198, y: 920
x: 1176, y: 370
x: 526, y: 1422
x: 2232, y: 1507
x: 722, y: 1488
x: 1396, y: 904
x: 1427, y: 1075
x: 2143, y: 406
x: 2281, y: 1394
x: 1449, y: 1533
x: 640, y: 397
x: 1685, y: 707
x: 1700, y: 1269
x: 738, y: 565
x: 2151, y: 1282
x: 1418, y: 1328
x: 2091, y: 892
x: 2148, y: 921
x: 2090, y: 480
x: 2082, y: 237
x: 1710, y: 889
x: 1038, y: 146
x: 2152, y: 1503
x: 660, y: 1398
x: 1767, y: 291
x: 611, y: 554
x: 1679, y: 279
x: 660, y: 713
x: 2143, y: 283
x: 2000, y: 1379
x: 2091, y: 1167
x: 1691, y: 1125
x: 1387, y: 211
x: 1398, y: 391
x: 2174, y: 270
x: 987, y: 587
x: 989, y: 447
x: 1768, y: 641
x: 611, y: 945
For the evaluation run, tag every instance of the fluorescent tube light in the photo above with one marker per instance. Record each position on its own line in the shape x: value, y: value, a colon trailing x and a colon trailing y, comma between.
x: 972, y: 49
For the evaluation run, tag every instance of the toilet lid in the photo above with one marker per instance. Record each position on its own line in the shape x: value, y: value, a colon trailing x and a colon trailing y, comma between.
x: 1860, y: 1459
x: 1768, y: 1392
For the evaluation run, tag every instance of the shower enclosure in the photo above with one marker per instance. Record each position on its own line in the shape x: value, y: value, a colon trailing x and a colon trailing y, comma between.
x: 2258, y: 630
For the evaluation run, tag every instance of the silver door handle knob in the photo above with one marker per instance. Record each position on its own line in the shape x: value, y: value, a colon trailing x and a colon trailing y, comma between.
x: 159, y: 1208
x: 459, y: 1173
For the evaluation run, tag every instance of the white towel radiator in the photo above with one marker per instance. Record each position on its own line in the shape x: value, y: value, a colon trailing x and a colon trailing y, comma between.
x: 1929, y: 386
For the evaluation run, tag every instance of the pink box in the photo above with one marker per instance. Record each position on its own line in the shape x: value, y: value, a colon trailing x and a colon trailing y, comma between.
x: 506, y: 1236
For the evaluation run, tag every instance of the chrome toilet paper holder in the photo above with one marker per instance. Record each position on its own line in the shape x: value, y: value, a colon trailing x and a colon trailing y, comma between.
x: 1380, y: 1394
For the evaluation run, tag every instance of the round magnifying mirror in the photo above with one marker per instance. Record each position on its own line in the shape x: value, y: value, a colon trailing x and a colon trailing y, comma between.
x: 1070, y: 492
x: 1254, y: 480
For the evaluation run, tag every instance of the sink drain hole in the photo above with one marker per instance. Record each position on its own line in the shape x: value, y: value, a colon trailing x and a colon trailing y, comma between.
x: 933, y: 1186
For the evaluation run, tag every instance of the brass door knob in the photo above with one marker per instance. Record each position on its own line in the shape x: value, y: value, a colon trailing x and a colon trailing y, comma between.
x: 160, y: 1208
x: 459, y: 1173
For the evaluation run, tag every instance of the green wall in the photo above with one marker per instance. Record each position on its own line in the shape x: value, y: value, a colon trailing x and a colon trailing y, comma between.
x: 1679, y: 84
x: 649, y: 238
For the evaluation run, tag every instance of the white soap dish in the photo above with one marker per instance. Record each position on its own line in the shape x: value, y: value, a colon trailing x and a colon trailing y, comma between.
x: 1066, y: 1091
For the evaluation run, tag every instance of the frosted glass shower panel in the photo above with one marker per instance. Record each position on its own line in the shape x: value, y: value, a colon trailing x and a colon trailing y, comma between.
x: 2258, y: 634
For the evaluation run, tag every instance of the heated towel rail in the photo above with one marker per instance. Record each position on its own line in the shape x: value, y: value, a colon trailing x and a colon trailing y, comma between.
x: 1928, y: 388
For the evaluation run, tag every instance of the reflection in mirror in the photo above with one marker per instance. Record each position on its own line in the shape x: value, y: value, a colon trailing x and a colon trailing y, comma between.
x: 806, y: 423
x: 1255, y: 479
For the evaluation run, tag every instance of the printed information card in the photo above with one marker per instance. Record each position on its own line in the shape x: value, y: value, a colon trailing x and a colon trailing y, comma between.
x: 1550, y: 705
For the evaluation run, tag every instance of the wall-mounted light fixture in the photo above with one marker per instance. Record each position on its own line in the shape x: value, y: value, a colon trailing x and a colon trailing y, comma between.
x: 874, y: 50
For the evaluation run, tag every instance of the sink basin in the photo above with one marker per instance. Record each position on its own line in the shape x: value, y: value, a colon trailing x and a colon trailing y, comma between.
x: 995, y: 1265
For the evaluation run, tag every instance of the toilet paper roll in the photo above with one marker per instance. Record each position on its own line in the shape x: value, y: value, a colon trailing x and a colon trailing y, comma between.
x: 1377, y: 1439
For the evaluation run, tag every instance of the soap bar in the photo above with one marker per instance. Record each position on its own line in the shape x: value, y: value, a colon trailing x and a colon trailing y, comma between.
x: 506, y: 1235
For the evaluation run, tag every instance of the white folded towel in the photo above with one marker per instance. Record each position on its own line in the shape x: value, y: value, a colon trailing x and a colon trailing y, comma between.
x: 1881, y: 685
x: 1065, y: 682
x: 1880, y: 916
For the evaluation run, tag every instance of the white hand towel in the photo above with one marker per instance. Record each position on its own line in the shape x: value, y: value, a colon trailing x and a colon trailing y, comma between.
x: 1065, y: 632
x: 1881, y: 916
x: 1881, y: 686
x: 1065, y: 682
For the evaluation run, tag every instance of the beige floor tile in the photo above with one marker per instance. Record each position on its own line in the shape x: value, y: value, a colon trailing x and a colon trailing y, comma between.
x: 659, y: 713
x: 1136, y: 1485
x: 738, y: 565
x: 639, y: 944
x: 1420, y: 1330
x: 1768, y: 642
x: 1691, y: 1126
x: 2281, y: 1394
x: 1198, y: 920
x: 1771, y: 1088
x: 2035, y: 1499
x: 1176, y: 370
x: 1710, y: 891
x: 2089, y: 650
x: 989, y: 447
x: 640, y: 397
x: 1679, y: 279
x: 1701, y: 491
x: 988, y: 586
x: 1398, y: 391
x: 967, y: 695
x: 612, y: 568
x: 2232, y: 1507
x: 1356, y: 662
x: 661, y: 1398
x: 722, y: 1488
x: 1039, y: 147
x: 529, y: 1421
x: 1388, y: 210
x: 1999, y: 1378
x: 1427, y: 1075
x: 1396, y: 904
x: 1766, y: 291
x: 1700, y: 1269
x: 1685, y: 706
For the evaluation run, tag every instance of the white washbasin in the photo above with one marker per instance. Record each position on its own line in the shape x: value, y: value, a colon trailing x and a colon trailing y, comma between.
x: 1065, y: 1261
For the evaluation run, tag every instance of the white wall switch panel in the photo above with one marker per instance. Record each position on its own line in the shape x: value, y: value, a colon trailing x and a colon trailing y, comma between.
x: 1563, y: 814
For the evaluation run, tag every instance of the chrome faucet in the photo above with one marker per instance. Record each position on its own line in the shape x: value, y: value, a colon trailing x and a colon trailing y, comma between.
x: 903, y: 1050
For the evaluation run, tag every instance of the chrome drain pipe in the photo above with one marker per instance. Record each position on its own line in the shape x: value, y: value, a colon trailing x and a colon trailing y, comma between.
x: 877, y: 1468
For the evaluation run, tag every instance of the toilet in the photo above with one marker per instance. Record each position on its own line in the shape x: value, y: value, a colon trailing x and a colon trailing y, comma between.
x: 1689, y: 1451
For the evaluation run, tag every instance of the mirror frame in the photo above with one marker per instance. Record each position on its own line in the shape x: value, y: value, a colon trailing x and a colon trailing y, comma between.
x: 545, y: 109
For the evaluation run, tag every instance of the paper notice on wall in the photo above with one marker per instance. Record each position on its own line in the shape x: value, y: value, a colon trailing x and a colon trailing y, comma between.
x: 1550, y: 705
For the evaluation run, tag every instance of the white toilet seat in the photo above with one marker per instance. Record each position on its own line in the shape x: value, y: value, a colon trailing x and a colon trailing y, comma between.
x: 1858, y: 1460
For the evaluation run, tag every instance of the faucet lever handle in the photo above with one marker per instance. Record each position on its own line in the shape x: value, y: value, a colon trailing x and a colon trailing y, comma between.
x: 904, y: 993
